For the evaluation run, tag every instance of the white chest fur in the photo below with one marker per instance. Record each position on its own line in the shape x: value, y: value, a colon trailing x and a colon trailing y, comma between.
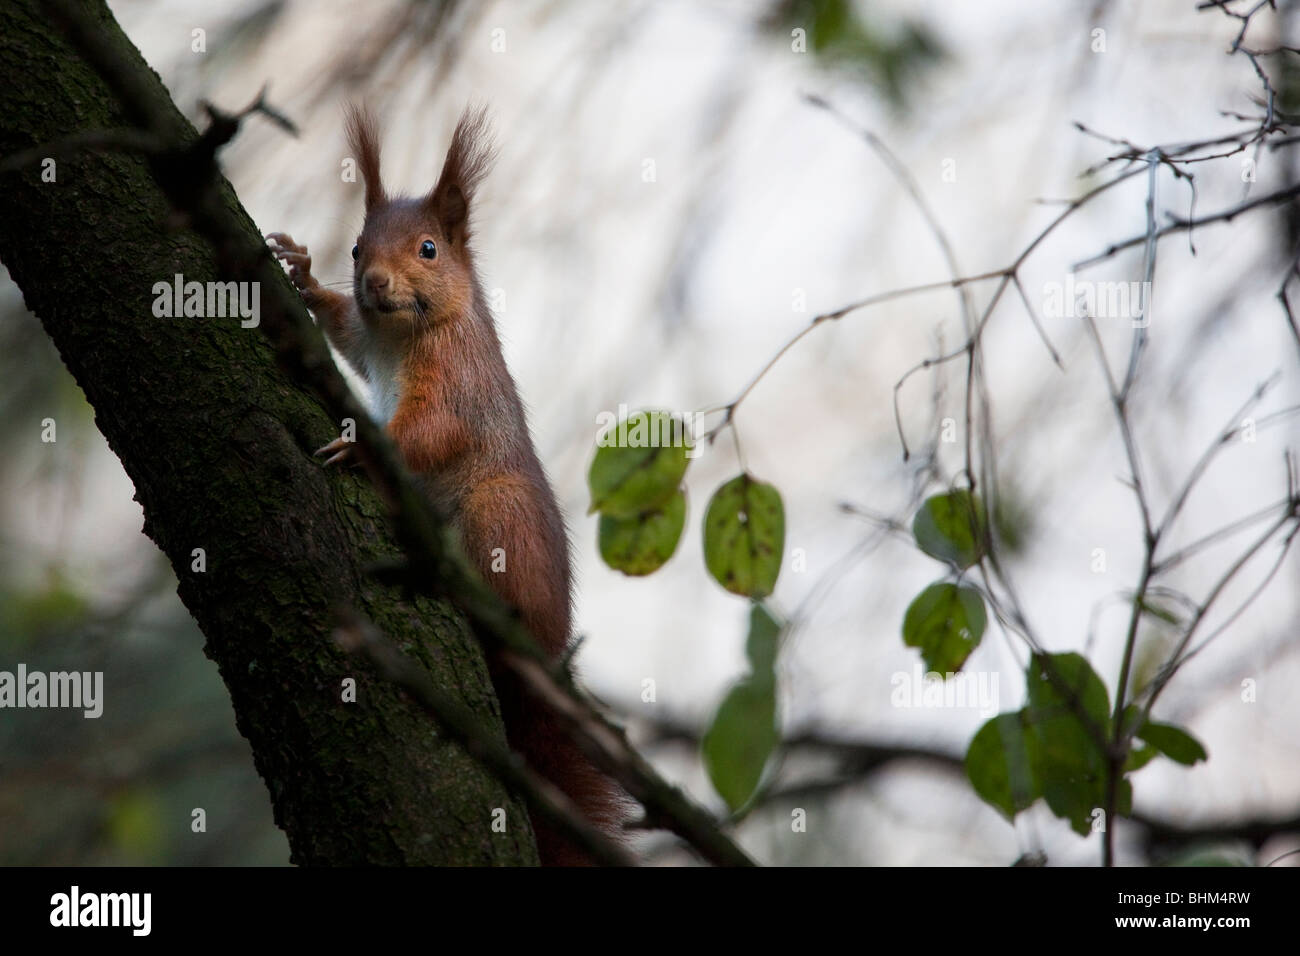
x: 383, y: 367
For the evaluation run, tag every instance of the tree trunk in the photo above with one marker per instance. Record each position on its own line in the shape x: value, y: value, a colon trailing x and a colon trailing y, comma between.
x: 218, y: 443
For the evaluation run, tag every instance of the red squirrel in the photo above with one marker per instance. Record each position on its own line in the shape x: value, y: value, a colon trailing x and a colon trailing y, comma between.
x: 418, y: 331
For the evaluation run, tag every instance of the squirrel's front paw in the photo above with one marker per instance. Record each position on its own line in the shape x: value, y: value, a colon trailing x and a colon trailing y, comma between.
x: 340, y: 450
x: 299, y: 260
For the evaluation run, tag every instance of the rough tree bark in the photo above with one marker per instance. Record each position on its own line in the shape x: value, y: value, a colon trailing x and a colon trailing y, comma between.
x: 218, y: 443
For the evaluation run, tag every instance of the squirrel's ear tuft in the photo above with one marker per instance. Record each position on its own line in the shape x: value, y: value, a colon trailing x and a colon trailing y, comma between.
x: 468, y: 158
x: 363, y: 137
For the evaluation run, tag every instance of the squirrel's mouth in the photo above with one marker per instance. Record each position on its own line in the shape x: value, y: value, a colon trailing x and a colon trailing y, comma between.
x: 388, y: 306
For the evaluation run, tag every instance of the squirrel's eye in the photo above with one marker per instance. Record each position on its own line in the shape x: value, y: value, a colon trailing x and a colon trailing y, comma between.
x: 427, y: 251
x: 356, y: 252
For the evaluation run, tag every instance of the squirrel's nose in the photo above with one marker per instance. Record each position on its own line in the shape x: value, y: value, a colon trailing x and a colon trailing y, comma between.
x: 377, y: 280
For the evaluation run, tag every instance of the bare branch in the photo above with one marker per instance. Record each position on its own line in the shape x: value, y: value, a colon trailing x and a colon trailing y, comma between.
x: 1177, y: 225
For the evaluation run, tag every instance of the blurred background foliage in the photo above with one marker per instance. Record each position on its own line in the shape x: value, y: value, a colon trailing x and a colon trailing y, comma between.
x: 891, y: 55
x: 118, y: 789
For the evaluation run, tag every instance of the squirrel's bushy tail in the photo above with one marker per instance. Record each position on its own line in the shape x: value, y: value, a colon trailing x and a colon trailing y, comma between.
x: 538, y: 734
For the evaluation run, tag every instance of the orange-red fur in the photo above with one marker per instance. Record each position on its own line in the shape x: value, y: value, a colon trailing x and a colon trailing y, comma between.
x: 419, y: 332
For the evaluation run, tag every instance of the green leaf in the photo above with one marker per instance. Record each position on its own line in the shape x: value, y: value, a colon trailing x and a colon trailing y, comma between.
x: 744, y: 536
x: 1139, y: 757
x: 999, y: 767
x: 1051, y: 747
x: 641, y: 544
x: 1013, y: 760
x: 1054, y: 680
x: 743, y: 735
x: 1070, y: 770
x: 638, y: 464
x: 951, y: 527
x: 1173, y: 742
x: 946, y: 622
x: 738, y: 743
x: 1068, y: 760
x: 761, y: 645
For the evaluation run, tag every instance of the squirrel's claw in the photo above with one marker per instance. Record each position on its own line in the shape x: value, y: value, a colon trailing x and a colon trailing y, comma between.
x: 296, y: 257
x: 284, y: 240
x: 340, y: 450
